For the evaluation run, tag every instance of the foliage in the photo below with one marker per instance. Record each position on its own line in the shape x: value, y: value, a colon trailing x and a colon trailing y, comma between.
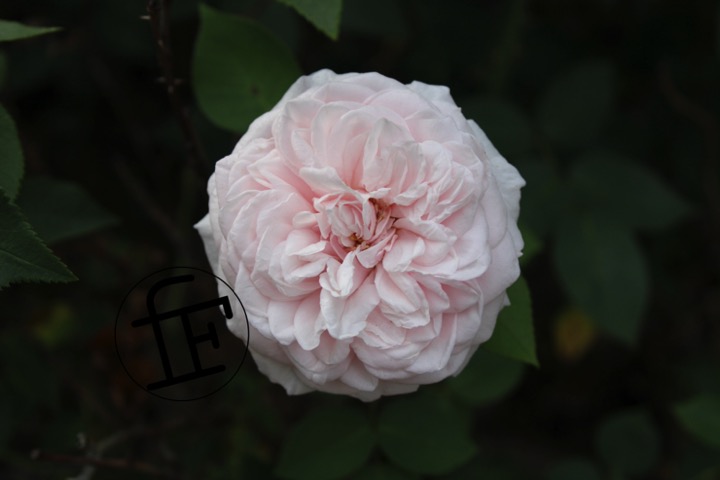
x: 24, y: 256
x: 327, y: 443
x: 324, y: 14
x: 240, y: 69
x: 10, y: 31
x: 513, y: 335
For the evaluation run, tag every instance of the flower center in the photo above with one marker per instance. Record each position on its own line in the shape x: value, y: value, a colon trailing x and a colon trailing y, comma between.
x: 353, y: 222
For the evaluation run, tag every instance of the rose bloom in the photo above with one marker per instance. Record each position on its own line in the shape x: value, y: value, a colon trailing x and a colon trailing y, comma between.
x: 370, y: 231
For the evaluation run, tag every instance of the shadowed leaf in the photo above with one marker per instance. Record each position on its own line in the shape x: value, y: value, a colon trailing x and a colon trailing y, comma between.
x: 240, y: 69
x: 23, y: 256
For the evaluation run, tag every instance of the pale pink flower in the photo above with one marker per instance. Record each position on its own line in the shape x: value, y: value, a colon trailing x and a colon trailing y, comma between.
x: 370, y: 231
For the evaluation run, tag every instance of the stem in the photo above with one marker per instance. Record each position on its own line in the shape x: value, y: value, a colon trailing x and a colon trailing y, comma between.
x: 197, y: 162
x: 158, y: 16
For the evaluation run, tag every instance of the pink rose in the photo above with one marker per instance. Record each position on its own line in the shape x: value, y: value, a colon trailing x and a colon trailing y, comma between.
x: 370, y: 230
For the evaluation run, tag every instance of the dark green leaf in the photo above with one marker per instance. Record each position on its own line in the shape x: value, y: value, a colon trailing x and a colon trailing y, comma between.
x: 544, y: 197
x: 603, y: 271
x: 624, y: 192
x: 574, y: 470
x: 240, y: 69
x: 17, y: 31
x: 23, y: 256
x: 628, y: 442
x: 486, y: 377
x: 424, y: 435
x: 533, y: 245
x: 701, y: 416
x: 578, y: 103
x: 59, y: 210
x: 506, y: 126
x: 324, y: 14
x: 11, y: 157
x: 514, y: 336
x: 326, y: 444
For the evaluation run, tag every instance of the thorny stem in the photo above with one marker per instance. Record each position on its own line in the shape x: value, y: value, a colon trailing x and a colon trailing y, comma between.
x: 158, y: 17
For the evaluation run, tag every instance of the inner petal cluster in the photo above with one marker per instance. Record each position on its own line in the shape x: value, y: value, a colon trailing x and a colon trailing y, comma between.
x: 355, y: 222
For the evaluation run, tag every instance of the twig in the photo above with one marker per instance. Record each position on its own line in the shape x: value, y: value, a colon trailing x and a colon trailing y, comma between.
x: 157, y: 15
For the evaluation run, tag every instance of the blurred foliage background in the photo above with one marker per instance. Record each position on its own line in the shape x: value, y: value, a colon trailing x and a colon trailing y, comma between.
x: 610, y: 110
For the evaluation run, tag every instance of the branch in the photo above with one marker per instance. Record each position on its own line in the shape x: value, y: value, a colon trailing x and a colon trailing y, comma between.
x: 158, y: 17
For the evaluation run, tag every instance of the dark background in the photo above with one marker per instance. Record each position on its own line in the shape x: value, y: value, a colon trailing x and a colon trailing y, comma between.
x: 89, y: 109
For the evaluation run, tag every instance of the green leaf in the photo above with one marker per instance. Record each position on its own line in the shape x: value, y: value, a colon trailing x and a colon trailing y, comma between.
x: 574, y: 470
x: 603, y: 271
x: 506, y: 126
x: 11, y: 157
x: 59, y: 210
x: 637, y: 198
x: 544, y: 198
x: 324, y: 14
x: 17, y: 31
x: 23, y: 256
x: 533, y: 245
x: 424, y: 434
x: 628, y: 442
x: 326, y: 444
x: 240, y: 69
x: 514, y: 336
x: 578, y: 103
x: 487, y: 377
x: 701, y: 417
